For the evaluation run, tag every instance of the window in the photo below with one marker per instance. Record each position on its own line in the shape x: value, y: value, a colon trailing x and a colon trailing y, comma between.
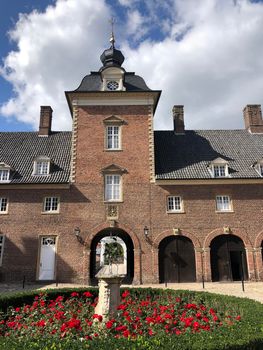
x: 51, y: 204
x: 41, y: 166
x: 112, y: 188
x: 3, y: 205
x: 113, y: 137
x: 2, y: 239
x: 219, y: 170
x: 174, y: 204
x: 4, y: 175
x: 223, y: 203
x: 261, y: 169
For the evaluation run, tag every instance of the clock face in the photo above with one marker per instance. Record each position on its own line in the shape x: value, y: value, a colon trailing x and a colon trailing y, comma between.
x: 112, y: 85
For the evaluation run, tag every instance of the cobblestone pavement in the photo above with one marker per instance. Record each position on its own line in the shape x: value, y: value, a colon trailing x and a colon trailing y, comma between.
x: 253, y: 290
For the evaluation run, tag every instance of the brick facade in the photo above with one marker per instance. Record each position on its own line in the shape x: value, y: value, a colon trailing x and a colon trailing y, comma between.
x: 143, y: 204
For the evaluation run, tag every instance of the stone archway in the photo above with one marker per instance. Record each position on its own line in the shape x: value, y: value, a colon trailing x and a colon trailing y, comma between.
x: 228, y: 258
x: 95, y: 253
x: 177, y: 260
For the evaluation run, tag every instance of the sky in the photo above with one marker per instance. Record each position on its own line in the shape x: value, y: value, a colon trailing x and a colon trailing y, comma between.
x: 203, y: 54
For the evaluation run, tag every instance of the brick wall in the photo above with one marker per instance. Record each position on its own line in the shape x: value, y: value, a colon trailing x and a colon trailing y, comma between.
x: 144, y: 204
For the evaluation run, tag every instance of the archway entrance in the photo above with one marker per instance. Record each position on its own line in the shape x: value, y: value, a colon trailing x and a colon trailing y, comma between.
x: 176, y: 260
x: 228, y: 258
x: 117, y: 241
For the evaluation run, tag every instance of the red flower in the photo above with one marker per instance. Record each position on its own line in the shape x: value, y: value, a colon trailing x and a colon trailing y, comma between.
x: 126, y: 333
x: 125, y: 294
x: 109, y: 324
x: 74, y: 294
x: 238, y: 318
x: 87, y: 294
x: 98, y: 317
x: 150, y: 331
x: 17, y: 309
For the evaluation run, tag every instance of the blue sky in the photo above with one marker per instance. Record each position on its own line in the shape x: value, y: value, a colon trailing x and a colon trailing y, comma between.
x: 9, y: 16
x: 208, y: 58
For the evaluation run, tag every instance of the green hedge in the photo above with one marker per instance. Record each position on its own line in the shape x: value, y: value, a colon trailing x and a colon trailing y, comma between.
x: 244, y: 335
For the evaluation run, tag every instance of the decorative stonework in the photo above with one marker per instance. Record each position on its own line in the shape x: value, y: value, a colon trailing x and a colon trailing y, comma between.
x: 151, y: 144
x: 74, y: 143
x: 112, y: 212
x: 109, y: 292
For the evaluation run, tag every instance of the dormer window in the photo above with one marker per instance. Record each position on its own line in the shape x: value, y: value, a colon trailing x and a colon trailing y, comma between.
x: 42, y: 166
x: 112, y: 79
x: 4, y: 172
x: 219, y: 168
x: 259, y: 167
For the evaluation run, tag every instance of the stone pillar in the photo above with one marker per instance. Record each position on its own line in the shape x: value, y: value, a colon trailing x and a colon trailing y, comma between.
x: 259, y: 263
x: 109, y: 293
x: 199, y: 264
x: 137, y: 279
x: 207, y: 264
x: 250, y: 264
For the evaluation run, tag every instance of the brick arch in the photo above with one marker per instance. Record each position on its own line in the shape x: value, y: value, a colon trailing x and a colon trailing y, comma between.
x: 258, y: 240
x: 95, y: 230
x: 168, y: 233
x: 219, y: 231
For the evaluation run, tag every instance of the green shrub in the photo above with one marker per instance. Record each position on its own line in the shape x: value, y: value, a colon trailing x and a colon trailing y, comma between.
x: 244, y: 335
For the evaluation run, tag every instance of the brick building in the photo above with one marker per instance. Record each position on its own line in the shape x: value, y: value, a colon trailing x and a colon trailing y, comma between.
x: 182, y: 204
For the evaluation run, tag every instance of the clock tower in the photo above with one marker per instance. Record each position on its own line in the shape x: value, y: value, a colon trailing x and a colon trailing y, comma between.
x: 112, y: 163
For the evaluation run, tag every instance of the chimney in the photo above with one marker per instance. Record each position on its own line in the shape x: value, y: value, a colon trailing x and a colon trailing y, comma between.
x: 45, y: 121
x: 178, y: 116
x: 253, y: 118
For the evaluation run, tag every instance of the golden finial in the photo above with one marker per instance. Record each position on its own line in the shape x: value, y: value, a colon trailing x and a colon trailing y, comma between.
x: 112, y: 39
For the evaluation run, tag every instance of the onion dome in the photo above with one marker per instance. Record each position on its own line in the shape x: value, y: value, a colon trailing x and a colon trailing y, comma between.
x: 112, y: 57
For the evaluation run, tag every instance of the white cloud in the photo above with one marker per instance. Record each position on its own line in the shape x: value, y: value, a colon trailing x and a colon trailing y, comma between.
x: 210, y: 60
x: 214, y: 70
x: 55, y: 50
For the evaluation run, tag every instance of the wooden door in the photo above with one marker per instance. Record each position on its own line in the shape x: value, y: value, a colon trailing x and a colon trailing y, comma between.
x: 177, y: 260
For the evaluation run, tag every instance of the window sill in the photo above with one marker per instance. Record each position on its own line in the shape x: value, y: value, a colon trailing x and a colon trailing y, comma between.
x: 3, y: 212
x: 113, y: 150
x: 113, y: 202
x: 175, y: 212
x: 50, y: 212
x: 224, y: 211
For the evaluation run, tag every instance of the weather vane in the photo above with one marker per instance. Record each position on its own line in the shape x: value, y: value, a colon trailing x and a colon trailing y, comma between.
x: 112, y: 39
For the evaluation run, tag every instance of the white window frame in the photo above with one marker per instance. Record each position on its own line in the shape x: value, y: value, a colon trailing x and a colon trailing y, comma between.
x: 52, y: 200
x: 3, y: 199
x: 172, y: 204
x: 112, y: 140
x: 221, y: 201
x: 2, y: 241
x: 259, y: 168
x: 41, y: 166
x: 222, y: 170
x: 4, y: 174
x: 112, y: 191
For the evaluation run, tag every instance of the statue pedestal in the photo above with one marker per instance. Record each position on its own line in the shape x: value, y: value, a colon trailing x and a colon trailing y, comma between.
x: 109, y: 292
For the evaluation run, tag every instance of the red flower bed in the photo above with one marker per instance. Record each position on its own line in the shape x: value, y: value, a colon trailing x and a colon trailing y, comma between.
x: 74, y: 317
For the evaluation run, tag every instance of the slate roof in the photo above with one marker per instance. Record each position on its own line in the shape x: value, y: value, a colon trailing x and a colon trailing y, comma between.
x: 93, y: 82
x: 188, y: 156
x: 19, y: 149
